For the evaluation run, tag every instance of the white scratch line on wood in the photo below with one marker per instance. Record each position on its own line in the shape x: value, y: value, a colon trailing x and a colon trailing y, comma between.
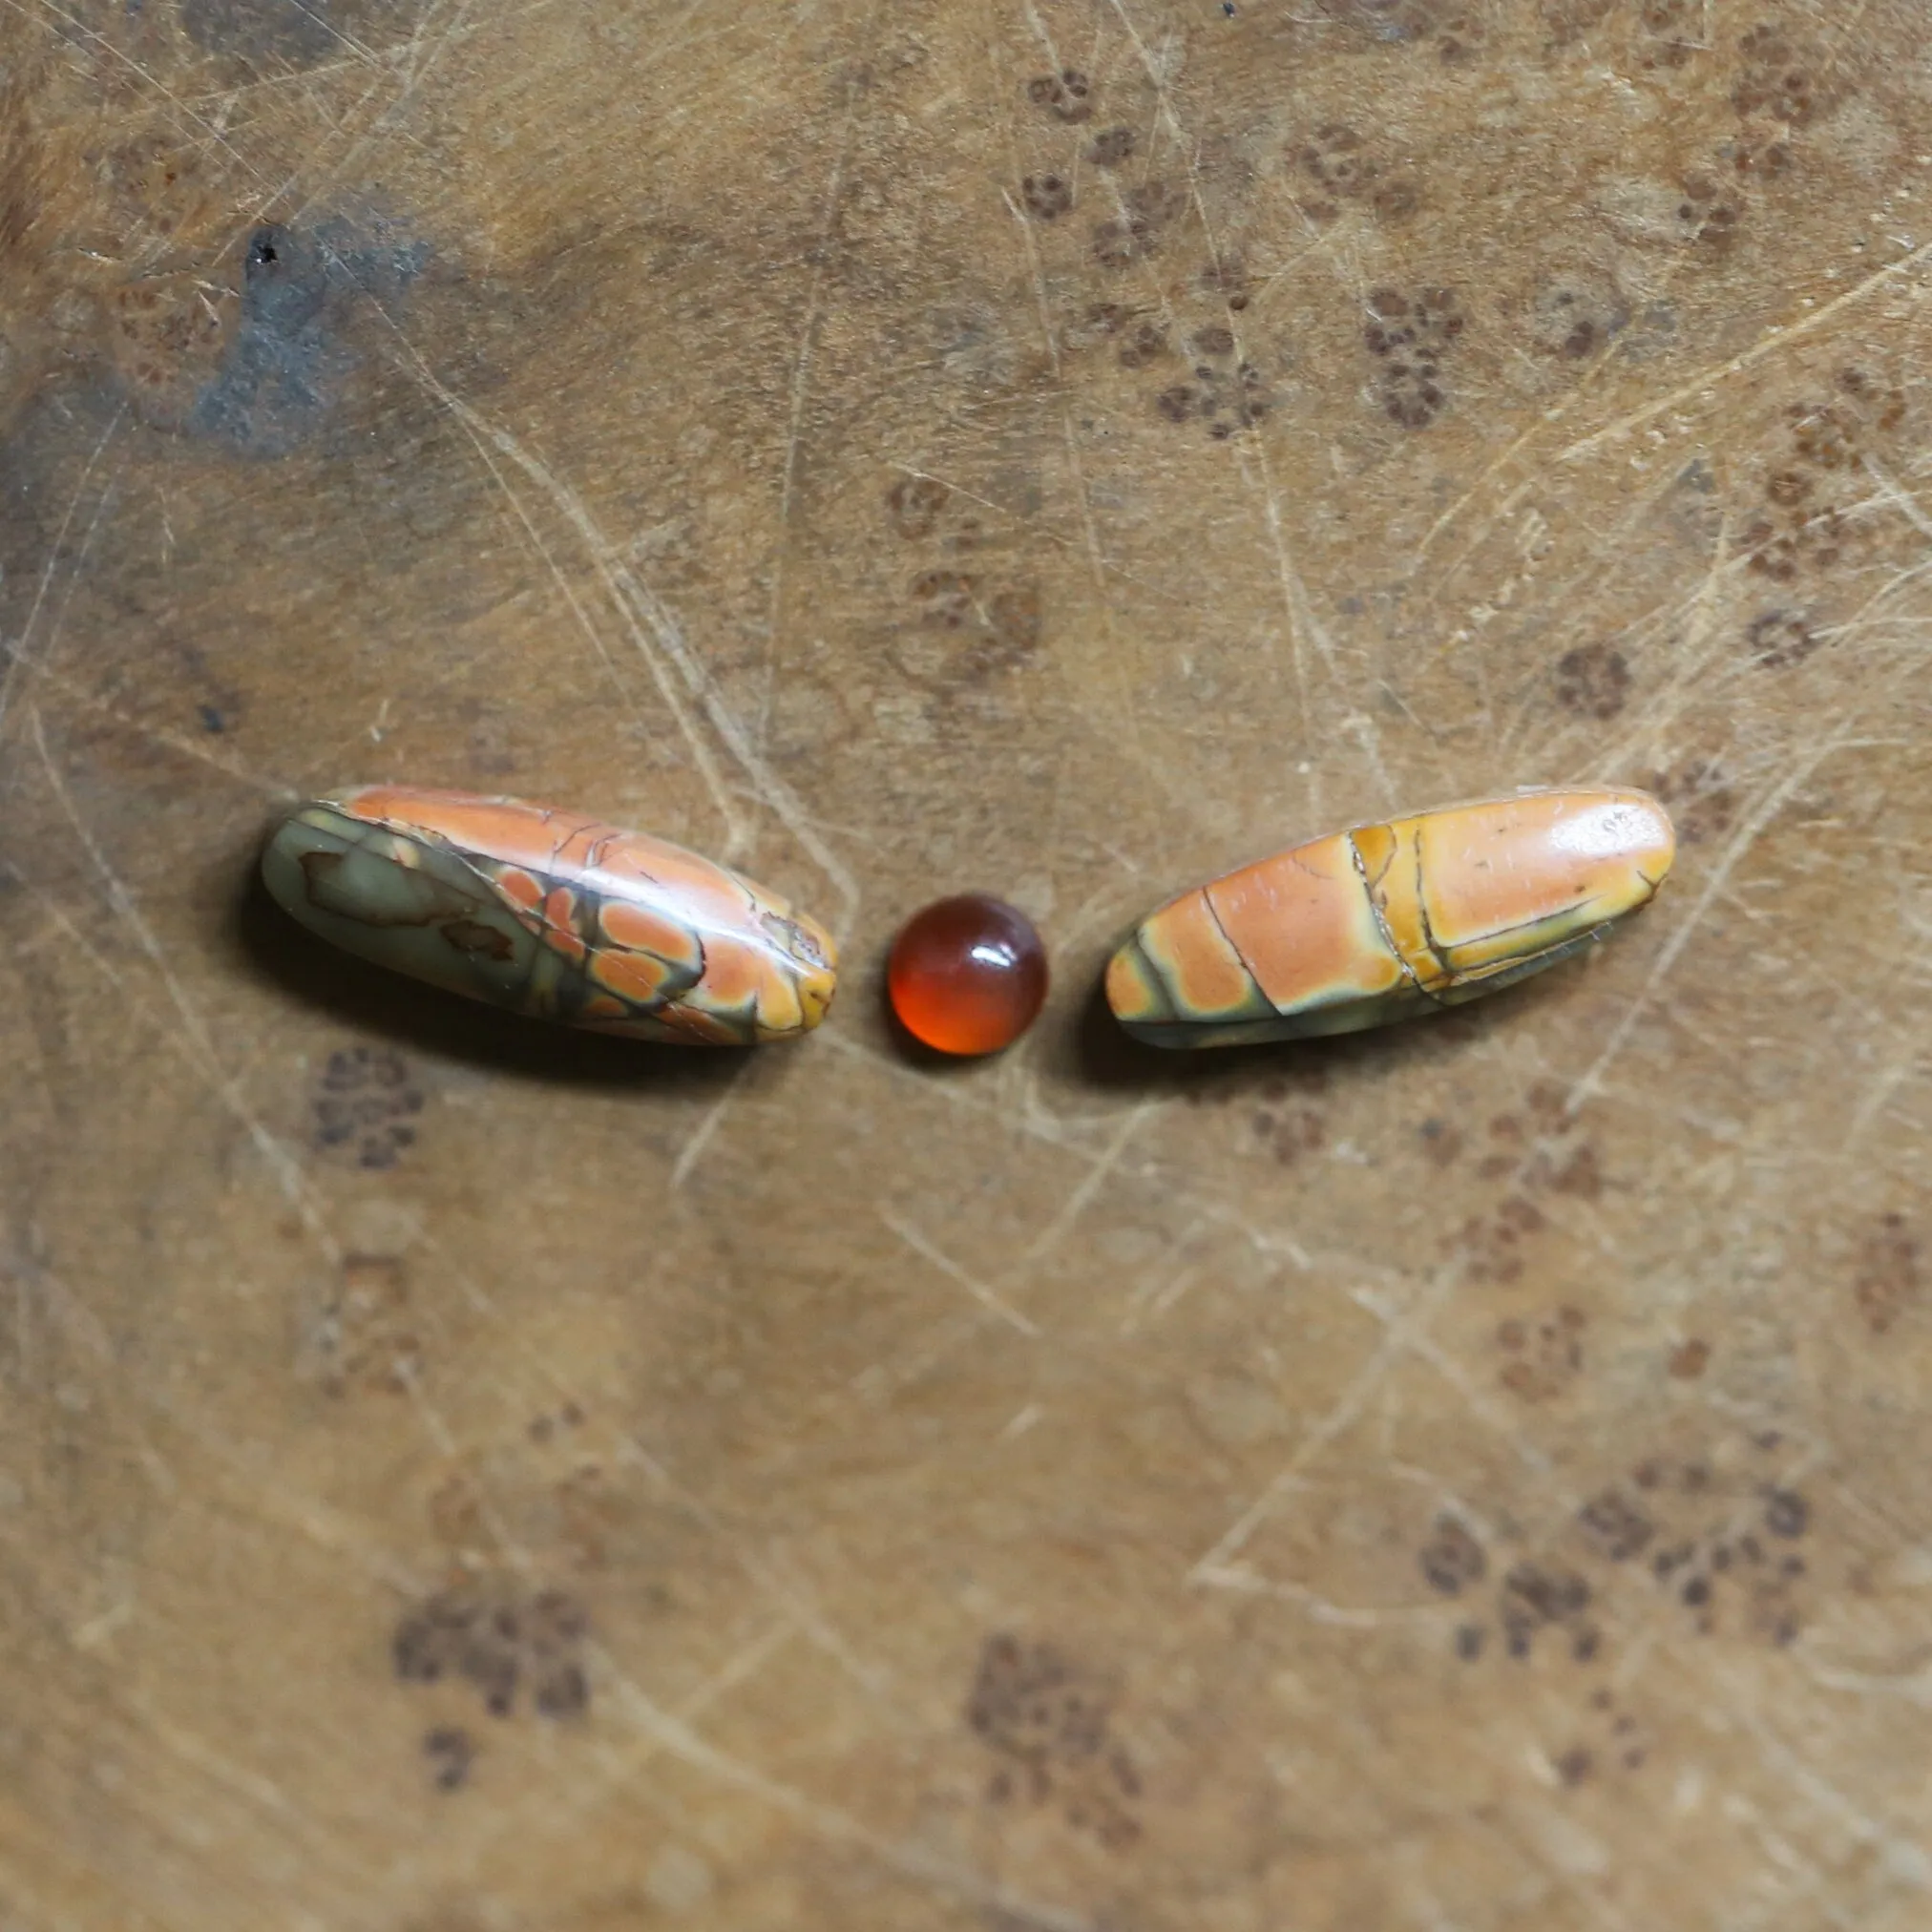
x: 700, y: 1138
x: 1051, y: 1130
x: 953, y: 1272
x: 1091, y: 1184
x: 1905, y: 1856
x: 802, y: 1608
x: 76, y: 25
x: 1767, y: 344
x: 642, y: 612
x: 1017, y: 1426
x: 799, y: 1611
x: 242, y: 1463
x: 1029, y: 528
x: 1403, y: 1334
x: 1746, y: 836
x: 417, y: 63
x: 1893, y: 1073
x: 19, y: 656
x: 621, y: 1765
x: 1352, y: 1402
x: 1097, y: 562
x: 1150, y: 1304
x: 1302, y: 622
x: 121, y: 1719
x: 485, y: 437
x: 801, y: 383
x: 837, y: 1827
x: 178, y: 743
x: 645, y: 612
x: 1899, y: 496
x: 1318, y: 1607
x: 282, y: 1162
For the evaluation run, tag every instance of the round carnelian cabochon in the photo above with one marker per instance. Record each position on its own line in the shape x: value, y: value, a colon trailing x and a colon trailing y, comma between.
x: 967, y: 975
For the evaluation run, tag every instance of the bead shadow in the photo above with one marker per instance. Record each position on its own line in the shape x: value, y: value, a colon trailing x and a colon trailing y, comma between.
x: 402, y: 1011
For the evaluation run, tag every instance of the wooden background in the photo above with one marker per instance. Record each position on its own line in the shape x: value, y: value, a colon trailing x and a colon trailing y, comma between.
x: 456, y: 1478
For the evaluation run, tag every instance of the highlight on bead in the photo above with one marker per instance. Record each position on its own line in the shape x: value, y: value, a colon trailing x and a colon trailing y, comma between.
x: 552, y: 914
x: 967, y: 975
x: 1389, y: 921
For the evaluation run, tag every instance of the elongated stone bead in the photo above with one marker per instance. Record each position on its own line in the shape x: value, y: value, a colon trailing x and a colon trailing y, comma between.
x: 552, y: 914
x: 1393, y: 920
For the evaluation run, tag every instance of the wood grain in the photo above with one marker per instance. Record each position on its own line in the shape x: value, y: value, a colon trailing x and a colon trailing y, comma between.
x: 455, y: 1477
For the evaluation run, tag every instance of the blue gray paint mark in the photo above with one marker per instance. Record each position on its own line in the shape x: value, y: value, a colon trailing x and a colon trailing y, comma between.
x: 295, y: 32
x: 289, y: 359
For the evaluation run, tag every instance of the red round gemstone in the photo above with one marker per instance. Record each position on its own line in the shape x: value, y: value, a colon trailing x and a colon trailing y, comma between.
x: 968, y: 974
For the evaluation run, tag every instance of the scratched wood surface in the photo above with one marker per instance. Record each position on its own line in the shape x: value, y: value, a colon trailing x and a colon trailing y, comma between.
x: 455, y: 1477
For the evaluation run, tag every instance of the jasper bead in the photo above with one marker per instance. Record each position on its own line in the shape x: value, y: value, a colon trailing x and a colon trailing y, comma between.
x: 1391, y: 920
x: 552, y: 914
x: 967, y: 975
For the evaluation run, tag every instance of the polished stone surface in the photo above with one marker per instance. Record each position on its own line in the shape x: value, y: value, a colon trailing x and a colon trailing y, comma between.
x: 967, y: 975
x: 1391, y: 921
x: 553, y: 914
